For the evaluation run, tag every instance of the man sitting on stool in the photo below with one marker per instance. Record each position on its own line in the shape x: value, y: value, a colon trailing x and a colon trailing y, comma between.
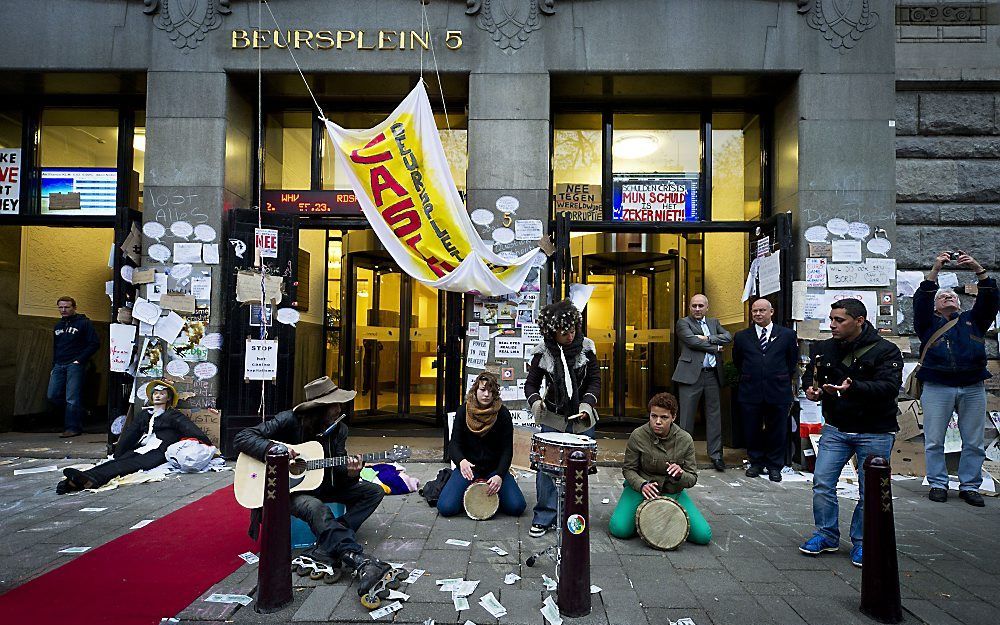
x: 317, y: 419
x: 659, y: 461
x: 143, y: 443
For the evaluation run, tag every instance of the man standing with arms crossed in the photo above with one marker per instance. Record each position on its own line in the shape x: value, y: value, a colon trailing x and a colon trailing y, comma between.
x: 767, y: 356
x: 856, y: 375
x: 699, y: 372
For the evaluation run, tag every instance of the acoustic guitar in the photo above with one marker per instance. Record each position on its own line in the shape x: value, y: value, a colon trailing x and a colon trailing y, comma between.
x: 305, y: 472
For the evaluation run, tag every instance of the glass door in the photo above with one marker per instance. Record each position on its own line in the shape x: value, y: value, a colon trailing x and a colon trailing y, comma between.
x: 377, y: 294
x: 426, y: 370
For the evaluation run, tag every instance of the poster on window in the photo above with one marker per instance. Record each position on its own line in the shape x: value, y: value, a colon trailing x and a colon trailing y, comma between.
x: 659, y: 197
x: 10, y: 181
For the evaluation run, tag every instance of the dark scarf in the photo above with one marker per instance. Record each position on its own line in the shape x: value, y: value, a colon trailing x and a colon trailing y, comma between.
x: 557, y: 394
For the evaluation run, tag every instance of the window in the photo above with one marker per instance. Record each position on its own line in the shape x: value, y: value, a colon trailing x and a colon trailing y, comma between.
x: 79, y: 161
x: 139, y: 155
x: 11, y: 163
x: 736, y: 167
x: 577, y: 163
x: 288, y: 150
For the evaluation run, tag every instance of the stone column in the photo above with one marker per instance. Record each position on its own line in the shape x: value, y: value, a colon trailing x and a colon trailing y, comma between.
x: 186, y: 177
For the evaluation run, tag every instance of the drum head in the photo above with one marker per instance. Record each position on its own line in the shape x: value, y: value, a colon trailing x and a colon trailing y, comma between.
x: 478, y: 504
x: 662, y: 523
x: 564, y: 438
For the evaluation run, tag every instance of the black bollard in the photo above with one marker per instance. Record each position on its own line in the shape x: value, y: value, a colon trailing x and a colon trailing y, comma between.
x: 880, y: 569
x: 574, y: 563
x: 274, y: 570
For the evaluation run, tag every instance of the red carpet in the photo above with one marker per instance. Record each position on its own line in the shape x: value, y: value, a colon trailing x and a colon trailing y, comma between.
x: 137, y: 579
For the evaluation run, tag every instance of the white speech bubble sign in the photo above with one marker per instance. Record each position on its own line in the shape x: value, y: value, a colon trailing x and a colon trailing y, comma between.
x: 159, y: 253
x: 153, y: 230
x: 507, y: 204
x: 140, y: 392
x: 181, y: 229
x: 858, y: 230
x: 127, y: 271
x: 503, y: 235
x: 239, y: 247
x: 482, y: 217
x: 212, y: 341
x: 879, y: 246
x: 838, y: 226
x: 205, y: 370
x: 179, y: 272
x: 204, y: 233
x: 288, y: 316
x: 816, y: 234
x: 146, y: 312
x: 178, y: 368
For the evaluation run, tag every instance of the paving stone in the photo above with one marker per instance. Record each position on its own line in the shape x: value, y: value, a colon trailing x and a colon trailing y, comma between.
x: 665, y: 616
x: 828, y: 610
x: 779, y: 610
x: 927, y: 612
x: 712, y: 583
x: 320, y: 602
x: 623, y: 608
x: 414, y: 612
x: 737, y: 610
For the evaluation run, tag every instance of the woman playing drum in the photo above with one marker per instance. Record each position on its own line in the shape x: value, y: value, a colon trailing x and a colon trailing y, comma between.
x: 659, y: 462
x: 482, y: 445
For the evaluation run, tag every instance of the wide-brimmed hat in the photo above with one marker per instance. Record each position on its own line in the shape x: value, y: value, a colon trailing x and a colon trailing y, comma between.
x: 161, y: 383
x: 322, y: 392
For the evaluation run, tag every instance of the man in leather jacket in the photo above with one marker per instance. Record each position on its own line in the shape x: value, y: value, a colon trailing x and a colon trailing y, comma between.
x: 856, y: 375
x: 318, y: 418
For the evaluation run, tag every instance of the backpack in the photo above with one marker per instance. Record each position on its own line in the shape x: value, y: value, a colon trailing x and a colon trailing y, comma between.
x: 431, y: 491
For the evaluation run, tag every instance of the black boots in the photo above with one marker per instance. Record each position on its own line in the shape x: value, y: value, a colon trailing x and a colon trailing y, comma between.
x: 368, y: 569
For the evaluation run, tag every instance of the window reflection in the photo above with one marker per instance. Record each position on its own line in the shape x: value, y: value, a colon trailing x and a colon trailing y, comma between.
x: 736, y: 167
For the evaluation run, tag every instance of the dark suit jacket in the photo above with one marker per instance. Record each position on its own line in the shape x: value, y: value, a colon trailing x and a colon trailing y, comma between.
x: 766, y: 376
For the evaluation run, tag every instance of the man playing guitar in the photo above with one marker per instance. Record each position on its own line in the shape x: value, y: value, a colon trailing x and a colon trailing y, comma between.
x: 318, y: 419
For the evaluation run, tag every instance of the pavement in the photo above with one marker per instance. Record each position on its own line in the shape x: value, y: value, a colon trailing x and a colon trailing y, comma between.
x: 751, y: 573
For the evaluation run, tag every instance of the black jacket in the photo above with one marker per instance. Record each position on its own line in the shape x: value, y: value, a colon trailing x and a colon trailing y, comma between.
x: 169, y: 427
x: 959, y: 357
x: 491, y: 453
x: 285, y: 427
x: 766, y: 376
x: 74, y: 338
x: 869, y: 405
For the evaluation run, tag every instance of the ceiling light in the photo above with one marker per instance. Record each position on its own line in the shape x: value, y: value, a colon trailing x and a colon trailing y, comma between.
x: 635, y: 146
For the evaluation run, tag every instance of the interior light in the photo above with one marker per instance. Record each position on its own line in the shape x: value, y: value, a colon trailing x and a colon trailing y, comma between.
x: 635, y: 146
x: 139, y: 140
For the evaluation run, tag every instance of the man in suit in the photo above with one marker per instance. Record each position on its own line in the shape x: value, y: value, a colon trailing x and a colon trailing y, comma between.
x: 699, y: 372
x: 767, y: 357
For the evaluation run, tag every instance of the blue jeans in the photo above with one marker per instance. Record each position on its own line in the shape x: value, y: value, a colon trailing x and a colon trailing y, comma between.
x: 66, y: 386
x: 450, y: 500
x: 938, y: 402
x: 545, y: 489
x: 835, y: 450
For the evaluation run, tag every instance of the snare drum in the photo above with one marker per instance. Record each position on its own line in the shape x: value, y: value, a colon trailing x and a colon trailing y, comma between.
x: 479, y: 505
x: 662, y: 523
x: 550, y: 451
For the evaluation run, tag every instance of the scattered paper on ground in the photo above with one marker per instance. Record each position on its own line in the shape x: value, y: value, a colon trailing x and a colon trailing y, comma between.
x: 414, y: 575
x: 395, y: 594
x: 226, y: 598
x: 461, y: 603
x: 551, y: 612
x: 550, y: 584
x: 141, y: 524
x: 385, y: 610
x: 92, y: 509
x: 35, y: 470
x: 457, y: 542
x: 74, y: 550
x: 498, y: 550
x: 492, y: 605
x: 594, y: 589
x: 511, y: 578
x: 606, y: 500
x: 249, y: 557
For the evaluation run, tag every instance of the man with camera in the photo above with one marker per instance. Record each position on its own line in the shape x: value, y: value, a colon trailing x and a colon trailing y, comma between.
x: 856, y: 375
x: 952, y: 371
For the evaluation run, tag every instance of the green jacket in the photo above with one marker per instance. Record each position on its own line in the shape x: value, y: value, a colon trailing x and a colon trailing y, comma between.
x: 647, y: 456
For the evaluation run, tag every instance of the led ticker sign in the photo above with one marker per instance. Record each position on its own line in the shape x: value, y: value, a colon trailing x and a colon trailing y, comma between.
x: 332, y: 202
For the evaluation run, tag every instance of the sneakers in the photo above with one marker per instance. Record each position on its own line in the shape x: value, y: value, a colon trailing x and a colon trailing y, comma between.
x: 537, y: 531
x: 818, y: 544
x: 939, y: 495
x: 856, y: 555
x: 972, y: 497
x: 753, y: 471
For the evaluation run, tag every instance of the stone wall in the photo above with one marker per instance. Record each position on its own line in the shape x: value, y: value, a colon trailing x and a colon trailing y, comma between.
x: 947, y: 183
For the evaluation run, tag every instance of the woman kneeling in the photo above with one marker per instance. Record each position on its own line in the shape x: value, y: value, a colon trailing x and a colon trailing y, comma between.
x: 482, y: 445
x: 659, y: 462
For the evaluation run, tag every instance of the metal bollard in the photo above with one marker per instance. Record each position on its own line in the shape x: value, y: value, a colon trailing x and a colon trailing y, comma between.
x: 880, y: 569
x: 574, y: 563
x: 274, y: 576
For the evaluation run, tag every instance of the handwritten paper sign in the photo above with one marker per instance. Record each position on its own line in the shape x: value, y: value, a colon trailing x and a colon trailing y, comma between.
x: 856, y: 274
x: 10, y: 181
x: 509, y: 347
x: 121, y: 344
x: 266, y: 242
x: 816, y: 272
x: 260, y: 362
x: 479, y: 351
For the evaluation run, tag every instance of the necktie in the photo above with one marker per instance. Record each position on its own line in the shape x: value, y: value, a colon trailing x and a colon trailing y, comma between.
x: 709, y: 360
x: 763, y: 339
